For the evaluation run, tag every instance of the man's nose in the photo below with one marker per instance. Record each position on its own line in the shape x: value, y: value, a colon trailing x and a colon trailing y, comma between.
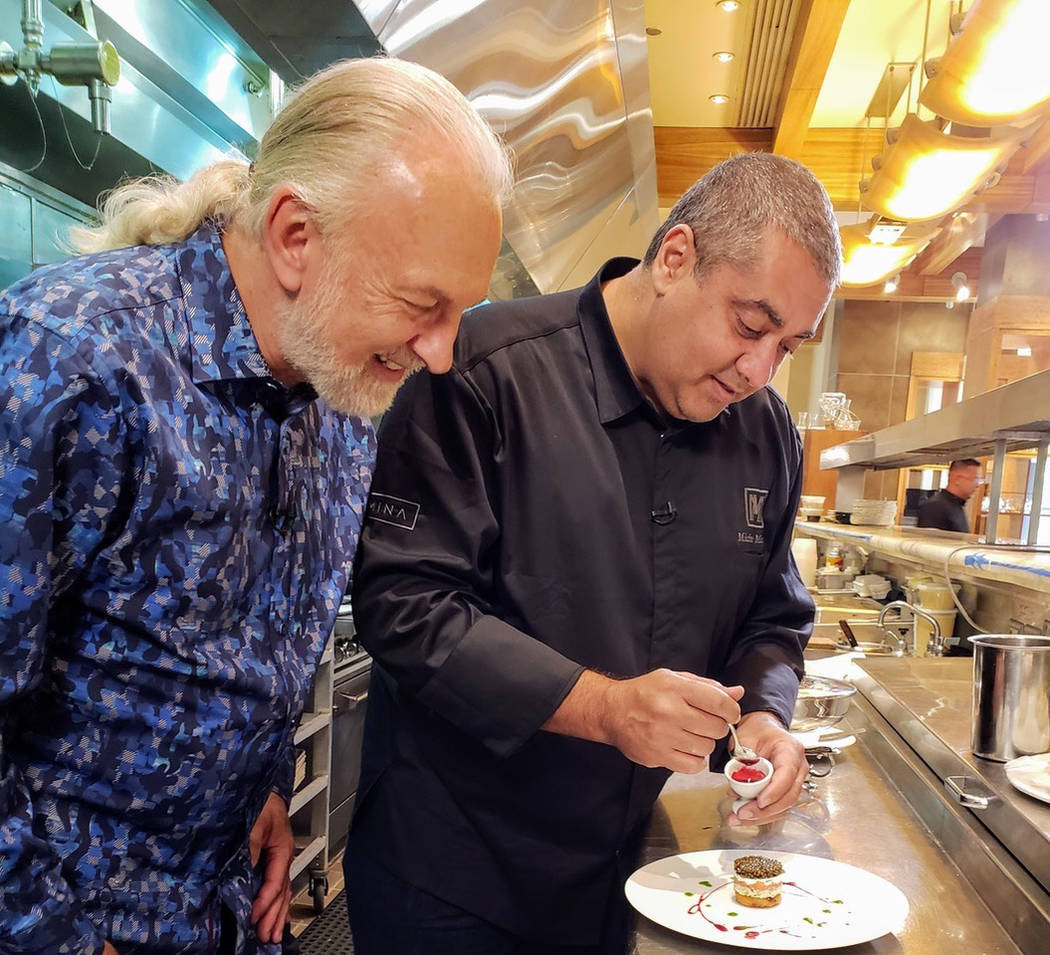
x: 759, y: 363
x: 433, y: 345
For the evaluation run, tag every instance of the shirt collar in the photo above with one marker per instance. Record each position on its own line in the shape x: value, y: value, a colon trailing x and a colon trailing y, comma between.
x: 222, y: 344
x: 616, y: 391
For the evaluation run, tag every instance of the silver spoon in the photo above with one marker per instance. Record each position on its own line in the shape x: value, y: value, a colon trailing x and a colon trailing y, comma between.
x: 741, y: 753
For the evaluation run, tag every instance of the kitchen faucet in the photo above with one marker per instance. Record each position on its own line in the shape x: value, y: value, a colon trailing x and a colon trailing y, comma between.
x: 936, y: 646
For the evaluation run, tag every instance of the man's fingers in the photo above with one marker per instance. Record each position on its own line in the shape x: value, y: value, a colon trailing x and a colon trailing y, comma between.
x: 270, y: 926
x: 736, y: 691
x: 680, y: 762
x: 712, y: 698
x: 670, y: 719
x: 282, y: 916
x: 274, y: 881
x: 695, y: 744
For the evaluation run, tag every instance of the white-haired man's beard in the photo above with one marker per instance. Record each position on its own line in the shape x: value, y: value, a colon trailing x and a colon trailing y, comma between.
x: 306, y: 344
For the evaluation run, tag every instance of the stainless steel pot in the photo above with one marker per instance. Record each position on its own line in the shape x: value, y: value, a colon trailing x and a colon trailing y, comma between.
x: 1011, y: 696
x: 821, y: 702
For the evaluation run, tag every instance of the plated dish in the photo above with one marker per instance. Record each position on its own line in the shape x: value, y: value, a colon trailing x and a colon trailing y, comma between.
x: 1031, y: 775
x: 824, y: 904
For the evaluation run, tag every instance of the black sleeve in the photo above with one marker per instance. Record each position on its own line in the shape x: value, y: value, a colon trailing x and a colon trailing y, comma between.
x: 426, y: 577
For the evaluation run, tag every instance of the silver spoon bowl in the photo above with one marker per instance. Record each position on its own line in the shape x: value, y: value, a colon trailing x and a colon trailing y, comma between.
x: 741, y: 753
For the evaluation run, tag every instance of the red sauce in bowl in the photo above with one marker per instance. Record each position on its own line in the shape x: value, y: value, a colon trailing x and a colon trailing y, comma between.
x: 748, y: 774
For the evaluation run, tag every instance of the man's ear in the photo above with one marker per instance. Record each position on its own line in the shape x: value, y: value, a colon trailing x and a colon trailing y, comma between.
x: 675, y: 258
x: 289, y: 237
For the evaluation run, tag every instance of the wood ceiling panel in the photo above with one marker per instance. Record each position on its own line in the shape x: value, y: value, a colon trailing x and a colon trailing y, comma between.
x: 839, y: 158
x: 1037, y: 150
x: 952, y: 241
x: 685, y: 153
x: 816, y: 34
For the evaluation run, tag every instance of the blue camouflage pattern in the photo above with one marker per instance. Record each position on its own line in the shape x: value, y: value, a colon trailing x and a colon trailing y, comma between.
x: 176, y: 530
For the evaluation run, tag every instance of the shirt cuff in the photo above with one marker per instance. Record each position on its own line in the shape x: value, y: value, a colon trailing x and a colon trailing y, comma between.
x: 500, y: 685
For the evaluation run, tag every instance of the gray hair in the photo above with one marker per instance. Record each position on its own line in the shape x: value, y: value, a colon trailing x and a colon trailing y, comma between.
x: 730, y: 208
x: 343, y: 119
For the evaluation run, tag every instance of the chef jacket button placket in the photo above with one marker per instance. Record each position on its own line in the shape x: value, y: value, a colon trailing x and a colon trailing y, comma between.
x: 663, y: 512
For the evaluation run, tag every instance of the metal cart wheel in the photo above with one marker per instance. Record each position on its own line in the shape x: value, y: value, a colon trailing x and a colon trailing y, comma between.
x: 318, y: 891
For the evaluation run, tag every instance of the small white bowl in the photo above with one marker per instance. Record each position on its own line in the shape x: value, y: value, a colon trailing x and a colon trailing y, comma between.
x: 749, y: 790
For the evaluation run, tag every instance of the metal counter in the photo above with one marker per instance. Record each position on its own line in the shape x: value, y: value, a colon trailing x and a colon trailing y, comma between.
x: 885, y: 810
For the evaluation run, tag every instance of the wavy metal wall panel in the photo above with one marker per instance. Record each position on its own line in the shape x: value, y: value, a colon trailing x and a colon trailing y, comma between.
x: 566, y: 84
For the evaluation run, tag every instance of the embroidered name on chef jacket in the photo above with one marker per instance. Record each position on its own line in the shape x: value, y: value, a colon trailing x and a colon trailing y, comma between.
x: 392, y: 510
x: 754, y: 506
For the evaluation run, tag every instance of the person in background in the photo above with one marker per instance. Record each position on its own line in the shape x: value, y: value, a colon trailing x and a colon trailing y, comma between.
x: 185, y: 460
x: 944, y: 510
x: 575, y: 571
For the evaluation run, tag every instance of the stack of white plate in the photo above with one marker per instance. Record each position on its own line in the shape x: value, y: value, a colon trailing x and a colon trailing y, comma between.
x: 873, y: 512
x: 811, y: 506
x: 871, y: 585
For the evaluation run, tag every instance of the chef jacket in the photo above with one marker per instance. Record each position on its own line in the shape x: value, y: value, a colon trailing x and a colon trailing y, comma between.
x: 944, y: 511
x: 532, y: 515
x: 177, y: 530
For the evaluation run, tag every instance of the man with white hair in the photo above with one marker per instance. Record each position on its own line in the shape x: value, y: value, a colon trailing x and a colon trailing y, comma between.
x: 185, y: 461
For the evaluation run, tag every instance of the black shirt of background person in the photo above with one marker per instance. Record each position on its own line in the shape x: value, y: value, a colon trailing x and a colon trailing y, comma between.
x: 944, y: 511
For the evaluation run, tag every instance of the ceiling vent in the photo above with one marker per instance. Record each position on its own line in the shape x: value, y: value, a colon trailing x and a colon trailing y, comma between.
x: 767, y: 57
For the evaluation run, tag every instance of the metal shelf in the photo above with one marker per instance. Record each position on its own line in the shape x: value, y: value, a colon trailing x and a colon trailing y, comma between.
x: 1017, y: 414
x: 314, y: 788
x: 312, y: 723
x: 309, y: 804
x: 305, y: 853
x: 1014, y: 417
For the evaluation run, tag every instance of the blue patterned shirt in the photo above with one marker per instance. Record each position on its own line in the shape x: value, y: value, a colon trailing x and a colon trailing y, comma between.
x: 175, y: 536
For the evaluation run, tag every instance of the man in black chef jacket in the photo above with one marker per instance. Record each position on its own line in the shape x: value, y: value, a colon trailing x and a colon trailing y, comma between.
x: 575, y: 571
x: 944, y: 510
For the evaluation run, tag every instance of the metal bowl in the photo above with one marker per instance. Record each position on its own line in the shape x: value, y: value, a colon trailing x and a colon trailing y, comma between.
x: 821, y: 702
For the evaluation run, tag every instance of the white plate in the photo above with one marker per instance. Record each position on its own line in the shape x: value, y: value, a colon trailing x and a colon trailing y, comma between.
x: 825, y: 736
x: 825, y: 904
x: 1031, y: 774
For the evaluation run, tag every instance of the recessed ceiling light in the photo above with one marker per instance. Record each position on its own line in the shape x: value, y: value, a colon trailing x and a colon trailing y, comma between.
x: 653, y: 31
x: 723, y: 56
x: 719, y: 99
x: 729, y: 5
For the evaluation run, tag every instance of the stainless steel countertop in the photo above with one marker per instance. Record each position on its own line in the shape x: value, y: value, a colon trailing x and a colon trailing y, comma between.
x: 858, y: 816
x: 928, y: 701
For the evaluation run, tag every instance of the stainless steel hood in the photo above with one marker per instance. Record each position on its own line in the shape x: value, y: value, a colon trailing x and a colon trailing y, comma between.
x: 190, y: 91
x: 565, y: 83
